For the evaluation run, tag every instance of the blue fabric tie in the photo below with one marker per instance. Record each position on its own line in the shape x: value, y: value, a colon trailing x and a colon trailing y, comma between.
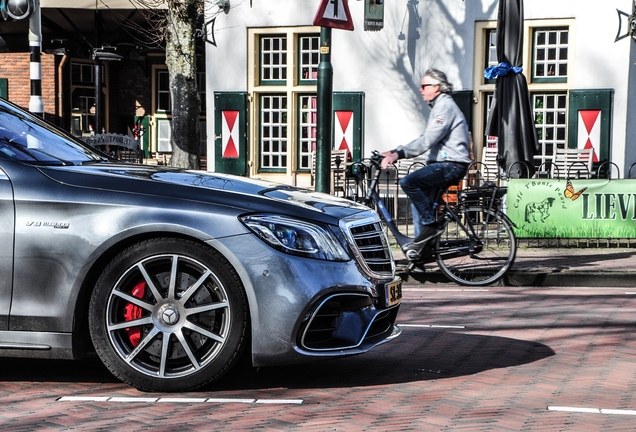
x: 500, y: 70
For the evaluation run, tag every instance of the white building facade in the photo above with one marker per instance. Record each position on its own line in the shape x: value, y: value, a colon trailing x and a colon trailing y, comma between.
x: 262, y: 73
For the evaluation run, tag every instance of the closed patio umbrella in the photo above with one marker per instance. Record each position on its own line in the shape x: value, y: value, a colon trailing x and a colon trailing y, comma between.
x: 511, y: 117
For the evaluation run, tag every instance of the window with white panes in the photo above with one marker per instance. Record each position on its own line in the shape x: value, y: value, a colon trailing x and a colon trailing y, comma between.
x: 163, y: 91
x: 273, y: 132
x: 550, y: 119
x: 163, y: 108
x: 309, y: 49
x: 491, y: 51
x: 546, y: 68
x: 550, y: 51
x: 285, y: 101
x: 307, y: 130
x: 164, y: 133
x: 490, y: 141
x: 273, y: 59
x: 83, y: 98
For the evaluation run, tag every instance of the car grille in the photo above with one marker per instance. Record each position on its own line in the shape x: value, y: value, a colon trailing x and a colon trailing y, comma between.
x: 370, y: 246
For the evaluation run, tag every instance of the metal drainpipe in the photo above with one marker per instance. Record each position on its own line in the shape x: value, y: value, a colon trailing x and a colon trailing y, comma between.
x: 60, y: 94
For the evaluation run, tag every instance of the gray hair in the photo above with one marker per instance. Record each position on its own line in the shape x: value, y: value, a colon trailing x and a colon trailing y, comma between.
x: 439, y: 78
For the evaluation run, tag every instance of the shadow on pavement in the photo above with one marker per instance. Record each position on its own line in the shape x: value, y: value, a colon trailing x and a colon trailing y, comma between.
x: 88, y: 370
x: 417, y: 355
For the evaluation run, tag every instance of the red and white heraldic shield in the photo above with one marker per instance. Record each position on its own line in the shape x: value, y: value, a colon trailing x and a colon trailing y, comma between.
x: 230, y: 134
x: 590, y: 131
x: 343, y: 131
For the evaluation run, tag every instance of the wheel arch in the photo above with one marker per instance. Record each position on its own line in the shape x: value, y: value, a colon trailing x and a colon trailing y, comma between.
x: 81, y: 338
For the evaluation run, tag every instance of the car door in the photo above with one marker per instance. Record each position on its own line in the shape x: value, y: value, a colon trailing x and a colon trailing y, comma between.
x: 7, y: 226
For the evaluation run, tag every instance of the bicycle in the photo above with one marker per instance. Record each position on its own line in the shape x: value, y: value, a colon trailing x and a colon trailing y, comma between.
x: 477, y: 246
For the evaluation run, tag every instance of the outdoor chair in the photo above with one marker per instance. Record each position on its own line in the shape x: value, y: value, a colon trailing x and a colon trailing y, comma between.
x: 572, y: 163
x: 338, y: 171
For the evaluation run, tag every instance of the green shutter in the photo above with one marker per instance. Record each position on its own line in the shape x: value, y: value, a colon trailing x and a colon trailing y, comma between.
x: 4, y: 88
x: 585, y: 100
x: 350, y: 102
x: 230, y: 157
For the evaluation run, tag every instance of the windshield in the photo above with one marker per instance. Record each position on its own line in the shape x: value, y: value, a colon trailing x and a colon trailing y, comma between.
x: 27, y: 138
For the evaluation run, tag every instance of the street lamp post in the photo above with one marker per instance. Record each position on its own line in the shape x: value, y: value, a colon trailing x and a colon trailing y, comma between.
x: 100, y: 54
x: 36, y: 105
x: 324, y: 107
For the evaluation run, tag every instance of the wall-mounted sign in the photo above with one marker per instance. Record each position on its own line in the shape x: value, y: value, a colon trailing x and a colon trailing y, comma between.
x: 551, y: 208
x: 373, y: 15
x: 102, y: 140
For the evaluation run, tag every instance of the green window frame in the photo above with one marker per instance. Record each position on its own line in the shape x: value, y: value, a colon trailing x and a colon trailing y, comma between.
x: 550, y: 120
x: 550, y: 55
x: 273, y: 59
x: 273, y: 132
x: 307, y: 122
x: 308, y: 58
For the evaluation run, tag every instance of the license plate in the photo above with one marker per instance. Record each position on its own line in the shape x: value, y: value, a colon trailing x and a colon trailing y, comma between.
x: 393, y: 293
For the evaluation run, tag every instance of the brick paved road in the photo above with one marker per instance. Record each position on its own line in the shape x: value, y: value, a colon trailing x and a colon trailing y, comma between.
x: 497, y: 361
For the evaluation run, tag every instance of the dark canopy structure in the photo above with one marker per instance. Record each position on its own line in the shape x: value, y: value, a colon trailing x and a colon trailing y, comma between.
x: 511, y: 117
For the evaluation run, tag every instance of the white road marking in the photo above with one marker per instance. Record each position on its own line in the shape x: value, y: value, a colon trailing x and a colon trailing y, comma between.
x: 132, y: 399
x: 82, y: 399
x: 279, y: 401
x: 592, y: 410
x: 182, y: 400
x: 619, y: 412
x: 431, y: 326
x: 224, y: 400
x: 176, y: 400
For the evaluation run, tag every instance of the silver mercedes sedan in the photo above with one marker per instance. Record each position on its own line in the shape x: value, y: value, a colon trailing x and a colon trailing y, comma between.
x: 171, y: 275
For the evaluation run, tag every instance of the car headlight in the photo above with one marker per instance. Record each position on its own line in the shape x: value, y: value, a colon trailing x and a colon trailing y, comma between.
x: 296, y: 237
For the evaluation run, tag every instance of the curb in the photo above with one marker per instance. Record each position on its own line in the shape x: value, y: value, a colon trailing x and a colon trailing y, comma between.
x: 527, y: 278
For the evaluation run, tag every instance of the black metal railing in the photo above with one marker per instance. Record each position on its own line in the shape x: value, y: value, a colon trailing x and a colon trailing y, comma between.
x: 352, y: 180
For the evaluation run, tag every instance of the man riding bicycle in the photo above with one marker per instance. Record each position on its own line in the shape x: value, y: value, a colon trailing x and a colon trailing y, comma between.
x: 446, y: 139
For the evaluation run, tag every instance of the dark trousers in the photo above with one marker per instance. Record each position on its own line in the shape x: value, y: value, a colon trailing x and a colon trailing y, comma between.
x: 423, y: 185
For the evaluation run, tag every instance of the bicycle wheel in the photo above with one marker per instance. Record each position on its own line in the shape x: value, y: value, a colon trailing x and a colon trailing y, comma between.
x: 479, y: 262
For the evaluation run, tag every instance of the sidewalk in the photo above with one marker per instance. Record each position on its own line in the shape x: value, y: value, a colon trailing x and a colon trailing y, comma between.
x: 587, y: 267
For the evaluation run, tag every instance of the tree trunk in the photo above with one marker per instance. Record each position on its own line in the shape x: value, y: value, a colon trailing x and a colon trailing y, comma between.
x: 182, y: 69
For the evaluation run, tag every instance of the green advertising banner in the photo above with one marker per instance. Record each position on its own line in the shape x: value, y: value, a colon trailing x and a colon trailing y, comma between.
x: 551, y: 208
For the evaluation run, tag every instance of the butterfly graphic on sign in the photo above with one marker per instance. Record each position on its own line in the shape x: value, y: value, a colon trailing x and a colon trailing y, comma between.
x: 569, y: 191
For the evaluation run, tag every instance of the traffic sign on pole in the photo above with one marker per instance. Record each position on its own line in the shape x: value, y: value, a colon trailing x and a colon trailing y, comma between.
x: 334, y: 14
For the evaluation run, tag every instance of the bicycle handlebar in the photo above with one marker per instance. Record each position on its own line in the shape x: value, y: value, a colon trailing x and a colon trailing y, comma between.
x: 375, y: 159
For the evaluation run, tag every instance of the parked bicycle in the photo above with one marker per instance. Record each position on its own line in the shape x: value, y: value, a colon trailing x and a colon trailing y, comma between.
x: 478, y: 245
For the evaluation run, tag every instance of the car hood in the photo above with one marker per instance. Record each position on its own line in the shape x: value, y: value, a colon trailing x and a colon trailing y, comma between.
x: 235, y: 191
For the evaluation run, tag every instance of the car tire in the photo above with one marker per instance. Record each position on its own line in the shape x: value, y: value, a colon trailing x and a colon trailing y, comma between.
x: 168, y: 315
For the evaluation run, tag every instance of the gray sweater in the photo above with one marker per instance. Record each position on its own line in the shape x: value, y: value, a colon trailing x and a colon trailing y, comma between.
x: 446, y: 134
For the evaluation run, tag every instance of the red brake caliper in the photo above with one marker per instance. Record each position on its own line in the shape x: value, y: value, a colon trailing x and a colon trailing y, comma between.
x: 133, y: 312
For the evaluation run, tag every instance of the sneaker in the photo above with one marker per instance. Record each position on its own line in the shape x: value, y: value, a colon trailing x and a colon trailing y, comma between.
x: 412, y: 250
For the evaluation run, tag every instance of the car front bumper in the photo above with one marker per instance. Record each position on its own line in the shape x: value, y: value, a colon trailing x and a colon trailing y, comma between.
x: 303, y: 309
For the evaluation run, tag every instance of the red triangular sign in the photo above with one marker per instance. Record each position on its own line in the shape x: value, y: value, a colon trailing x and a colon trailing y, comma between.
x: 589, y: 118
x: 230, y: 150
x: 335, y: 14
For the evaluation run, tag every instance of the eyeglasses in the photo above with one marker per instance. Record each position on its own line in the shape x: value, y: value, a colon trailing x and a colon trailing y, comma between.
x: 426, y: 85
